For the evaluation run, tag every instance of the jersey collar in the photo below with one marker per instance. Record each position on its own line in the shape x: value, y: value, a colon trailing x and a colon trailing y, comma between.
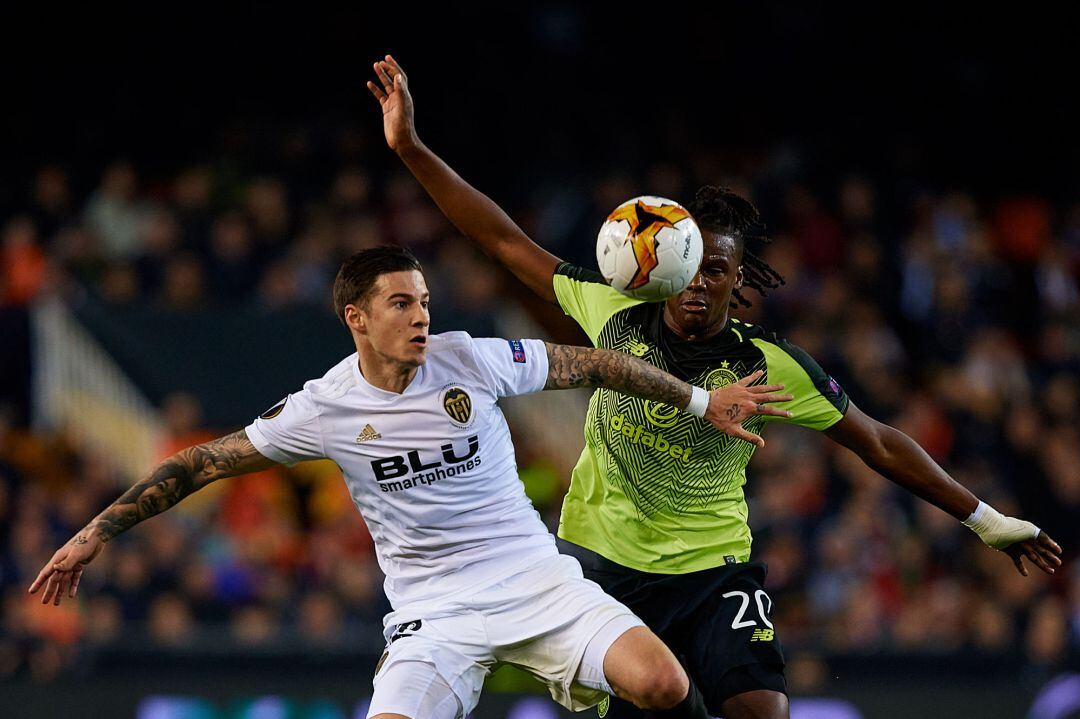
x: 382, y: 394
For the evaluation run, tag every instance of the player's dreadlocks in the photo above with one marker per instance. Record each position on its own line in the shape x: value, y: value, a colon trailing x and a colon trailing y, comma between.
x: 720, y: 210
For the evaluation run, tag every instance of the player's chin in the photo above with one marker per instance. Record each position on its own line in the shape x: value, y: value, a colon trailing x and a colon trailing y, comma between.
x: 691, y: 322
x: 416, y: 355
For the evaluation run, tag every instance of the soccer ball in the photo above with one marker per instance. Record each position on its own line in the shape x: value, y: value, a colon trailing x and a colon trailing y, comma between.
x: 649, y: 248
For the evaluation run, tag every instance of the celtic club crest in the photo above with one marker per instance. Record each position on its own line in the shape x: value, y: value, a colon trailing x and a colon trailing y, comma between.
x: 720, y: 377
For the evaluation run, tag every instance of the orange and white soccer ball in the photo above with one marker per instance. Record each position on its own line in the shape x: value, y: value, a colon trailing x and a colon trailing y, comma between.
x: 649, y: 248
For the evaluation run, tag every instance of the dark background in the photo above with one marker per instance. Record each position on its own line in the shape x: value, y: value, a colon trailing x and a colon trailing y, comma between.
x: 974, y: 95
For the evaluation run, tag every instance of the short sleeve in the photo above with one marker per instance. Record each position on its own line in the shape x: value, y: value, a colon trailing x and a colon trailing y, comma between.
x: 585, y: 296
x: 820, y: 401
x: 512, y: 367
x: 289, y: 431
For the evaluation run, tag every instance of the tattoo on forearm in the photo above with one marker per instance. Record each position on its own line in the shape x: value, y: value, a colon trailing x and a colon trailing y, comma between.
x: 570, y: 367
x: 733, y: 412
x: 185, y: 472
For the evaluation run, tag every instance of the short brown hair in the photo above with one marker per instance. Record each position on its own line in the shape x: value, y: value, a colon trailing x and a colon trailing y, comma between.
x: 359, y: 272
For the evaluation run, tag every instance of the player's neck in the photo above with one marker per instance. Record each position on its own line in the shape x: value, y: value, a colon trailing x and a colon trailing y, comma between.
x: 383, y: 373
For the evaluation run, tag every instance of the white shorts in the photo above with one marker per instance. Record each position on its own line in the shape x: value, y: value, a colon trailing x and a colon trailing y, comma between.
x: 540, y: 620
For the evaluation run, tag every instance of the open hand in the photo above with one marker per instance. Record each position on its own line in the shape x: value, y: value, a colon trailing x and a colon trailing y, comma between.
x: 1042, y: 551
x: 62, y: 573
x: 392, y: 92
x: 737, y: 402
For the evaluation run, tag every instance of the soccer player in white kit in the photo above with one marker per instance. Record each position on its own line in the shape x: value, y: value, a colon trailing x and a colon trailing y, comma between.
x: 472, y: 573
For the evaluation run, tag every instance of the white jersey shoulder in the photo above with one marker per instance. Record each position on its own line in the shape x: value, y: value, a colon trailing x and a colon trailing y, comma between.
x: 449, y: 341
x: 336, y: 382
x: 455, y: 351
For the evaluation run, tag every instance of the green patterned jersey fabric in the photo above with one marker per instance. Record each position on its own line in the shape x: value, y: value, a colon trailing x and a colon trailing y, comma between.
x: 657, y: 489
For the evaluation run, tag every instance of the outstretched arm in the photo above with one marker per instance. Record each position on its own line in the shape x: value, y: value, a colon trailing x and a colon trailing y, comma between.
x: 471, y: 211
x: 726, y: 408
x: 900, y: 459
x: 187, y: 471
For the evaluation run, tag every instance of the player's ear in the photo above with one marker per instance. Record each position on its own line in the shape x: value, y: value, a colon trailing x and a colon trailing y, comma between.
x: 355, y: 318
x: 739, y: 278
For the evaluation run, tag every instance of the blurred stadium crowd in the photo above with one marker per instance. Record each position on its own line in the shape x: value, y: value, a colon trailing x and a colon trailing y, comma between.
x: 954, y: 318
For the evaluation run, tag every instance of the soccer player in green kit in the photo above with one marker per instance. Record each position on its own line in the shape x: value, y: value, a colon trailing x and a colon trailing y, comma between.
x: 655, y: 512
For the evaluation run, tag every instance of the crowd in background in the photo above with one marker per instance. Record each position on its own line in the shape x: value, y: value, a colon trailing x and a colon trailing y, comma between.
x: 954, y: 318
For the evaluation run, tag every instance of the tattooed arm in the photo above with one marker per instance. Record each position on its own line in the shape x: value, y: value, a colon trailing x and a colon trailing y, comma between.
x: 729, y: 406
x: 187, y: 471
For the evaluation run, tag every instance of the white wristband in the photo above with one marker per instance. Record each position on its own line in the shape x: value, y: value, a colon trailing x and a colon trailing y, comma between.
x: 996, y: 530
x: 699, y: 401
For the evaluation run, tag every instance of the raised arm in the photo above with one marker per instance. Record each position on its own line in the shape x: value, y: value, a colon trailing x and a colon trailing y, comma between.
x: 472, y: 212
x: 725, y: 408
x: 187, y: 471
x: 900, y: 459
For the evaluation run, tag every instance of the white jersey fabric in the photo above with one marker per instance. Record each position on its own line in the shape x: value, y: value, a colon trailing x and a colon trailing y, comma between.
x: 432, y: 470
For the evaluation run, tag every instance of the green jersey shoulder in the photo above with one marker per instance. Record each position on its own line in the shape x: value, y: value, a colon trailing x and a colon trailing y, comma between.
x: 585, y: 296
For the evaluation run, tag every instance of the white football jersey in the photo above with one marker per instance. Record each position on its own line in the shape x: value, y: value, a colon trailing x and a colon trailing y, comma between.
x: 432, y: 470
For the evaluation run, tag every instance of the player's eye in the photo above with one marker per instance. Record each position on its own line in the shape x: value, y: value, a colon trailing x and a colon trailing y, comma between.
x: 401, y: 304
x: 424, y: 304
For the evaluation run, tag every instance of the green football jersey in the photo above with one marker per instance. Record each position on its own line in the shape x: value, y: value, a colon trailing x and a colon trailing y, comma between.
x: 657, y: 489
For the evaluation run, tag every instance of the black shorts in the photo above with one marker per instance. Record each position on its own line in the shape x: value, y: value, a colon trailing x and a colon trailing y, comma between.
x: 717, y: 621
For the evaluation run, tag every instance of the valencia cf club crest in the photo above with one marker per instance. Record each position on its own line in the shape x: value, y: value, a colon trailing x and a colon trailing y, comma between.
x: 275, y: 410
x: 458, y: 404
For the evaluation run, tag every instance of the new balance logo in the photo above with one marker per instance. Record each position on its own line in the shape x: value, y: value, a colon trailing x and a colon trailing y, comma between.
x: 762, y: 635
x: 367, y: 434
x: 638, y: 349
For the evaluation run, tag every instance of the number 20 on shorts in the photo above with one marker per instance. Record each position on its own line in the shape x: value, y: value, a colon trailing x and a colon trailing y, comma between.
x: 739, y: 622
